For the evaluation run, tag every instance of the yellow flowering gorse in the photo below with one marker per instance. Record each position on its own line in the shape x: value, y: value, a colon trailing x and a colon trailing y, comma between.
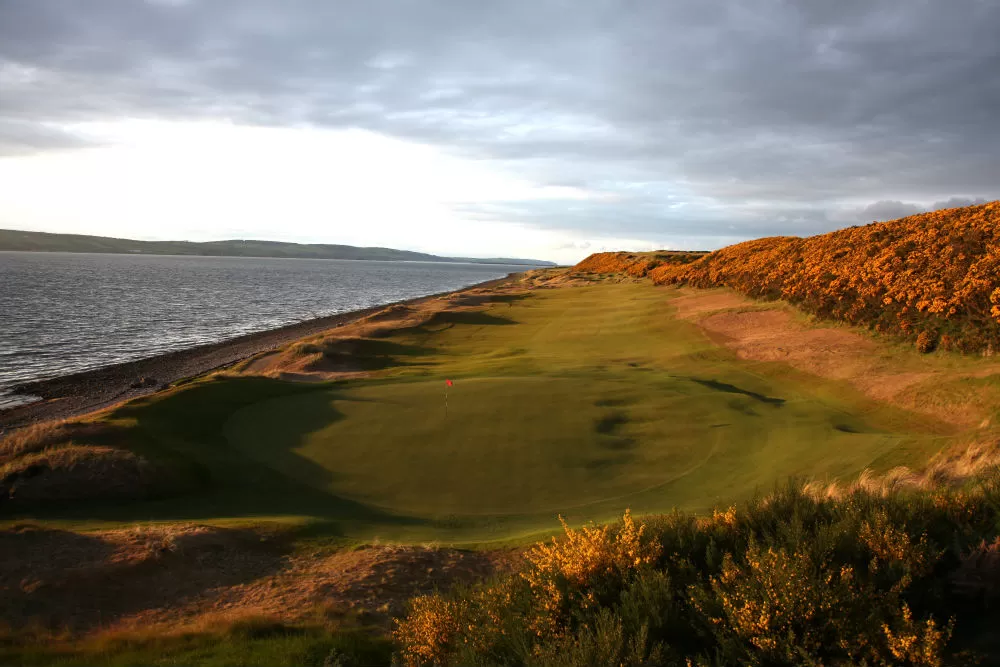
x: 936, y: 274
x: 572, y: 563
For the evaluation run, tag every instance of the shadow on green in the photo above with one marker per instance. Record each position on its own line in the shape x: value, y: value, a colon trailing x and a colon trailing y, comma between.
x: 183, y: 432
x: 733, y: 389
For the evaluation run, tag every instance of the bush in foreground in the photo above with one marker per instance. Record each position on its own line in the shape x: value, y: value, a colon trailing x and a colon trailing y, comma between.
x: 785, y: 580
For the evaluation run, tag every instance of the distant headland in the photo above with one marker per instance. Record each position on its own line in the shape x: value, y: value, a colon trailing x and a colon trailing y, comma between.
x: 16, y: 240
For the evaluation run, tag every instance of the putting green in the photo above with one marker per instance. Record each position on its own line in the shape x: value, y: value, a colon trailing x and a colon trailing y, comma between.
x: 542, y: 445
x: 577, y: 401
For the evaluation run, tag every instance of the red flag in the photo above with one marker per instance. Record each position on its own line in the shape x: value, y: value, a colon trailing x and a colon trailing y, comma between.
x: 448, y: 383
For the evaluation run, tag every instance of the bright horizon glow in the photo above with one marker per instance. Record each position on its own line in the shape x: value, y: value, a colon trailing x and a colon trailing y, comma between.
x: 210, y: 180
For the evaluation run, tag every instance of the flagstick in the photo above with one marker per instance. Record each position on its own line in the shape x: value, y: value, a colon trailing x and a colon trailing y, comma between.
x: 447, y: 385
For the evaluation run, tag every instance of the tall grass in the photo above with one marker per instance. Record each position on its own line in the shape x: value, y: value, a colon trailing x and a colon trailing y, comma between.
x: 62, y: 460
x: 30, y: 439
x: 36, y: 438
x: 900, y: 578
x: 248, y: 641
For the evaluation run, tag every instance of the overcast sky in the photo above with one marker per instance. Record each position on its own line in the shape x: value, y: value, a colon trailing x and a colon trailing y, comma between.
x: 541, y: 128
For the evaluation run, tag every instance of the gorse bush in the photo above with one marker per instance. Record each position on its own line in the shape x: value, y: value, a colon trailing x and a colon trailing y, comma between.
x: 636, y: 265
x: 584, y: 570
x: 789, y: 579
x: 933, y: 278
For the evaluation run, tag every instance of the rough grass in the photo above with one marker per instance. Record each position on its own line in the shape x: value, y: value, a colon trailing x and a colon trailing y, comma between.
x: 30, y: 439
x: 577, y: 401
x: 61, y: 461
x: 58, y: 457
x: 248, y: 641
x: 37, y: 437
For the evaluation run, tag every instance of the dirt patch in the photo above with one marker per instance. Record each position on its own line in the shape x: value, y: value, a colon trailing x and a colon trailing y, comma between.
x: 693, y: 303
x: 773, y: 335
x: 64, y: 581
x: 176, y: 577
x: 373, y: 583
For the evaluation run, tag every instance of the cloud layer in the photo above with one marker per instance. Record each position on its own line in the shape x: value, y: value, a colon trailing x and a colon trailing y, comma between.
x: 689, y: 123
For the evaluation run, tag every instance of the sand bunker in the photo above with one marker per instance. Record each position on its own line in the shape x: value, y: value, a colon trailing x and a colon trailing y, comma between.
x: 770, y: 332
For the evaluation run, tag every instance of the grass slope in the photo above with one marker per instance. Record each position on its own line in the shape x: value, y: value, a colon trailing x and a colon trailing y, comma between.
x: 246, y: 644
x: 578, y: 401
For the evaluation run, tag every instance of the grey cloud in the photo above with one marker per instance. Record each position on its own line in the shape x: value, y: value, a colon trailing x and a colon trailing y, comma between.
x: 695, y: 119
x: 890, y: 210
x: 957, y: 202
x: 25, y: 138
x: 886, y: 210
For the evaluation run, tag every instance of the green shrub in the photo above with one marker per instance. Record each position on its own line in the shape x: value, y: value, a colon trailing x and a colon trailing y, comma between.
x: 783, y: 580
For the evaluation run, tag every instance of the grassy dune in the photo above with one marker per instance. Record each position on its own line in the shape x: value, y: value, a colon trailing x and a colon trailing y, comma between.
x: 577, y: 401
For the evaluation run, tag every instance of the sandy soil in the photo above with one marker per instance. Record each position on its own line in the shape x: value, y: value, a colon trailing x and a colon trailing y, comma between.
x: 80, y: 393
x: 189, y: 576
x: 759, y: 333
x: 692, y: 303
x: 372, y: 583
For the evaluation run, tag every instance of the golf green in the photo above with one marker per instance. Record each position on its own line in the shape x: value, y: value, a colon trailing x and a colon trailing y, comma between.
x: 548, y: 445
x: 505, y: 445
x: 577, y: 401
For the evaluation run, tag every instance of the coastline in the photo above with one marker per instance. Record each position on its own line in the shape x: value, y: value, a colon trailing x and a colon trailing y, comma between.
x: 80, y: 393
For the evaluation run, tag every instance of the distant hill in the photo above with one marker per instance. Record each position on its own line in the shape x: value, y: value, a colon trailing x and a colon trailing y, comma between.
x: 500, y: 260
x: 933, y: 278
x: 11, y: 239
x: 636, y: 264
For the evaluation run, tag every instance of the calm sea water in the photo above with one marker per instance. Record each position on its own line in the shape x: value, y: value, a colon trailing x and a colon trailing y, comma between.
x: 61, y: 313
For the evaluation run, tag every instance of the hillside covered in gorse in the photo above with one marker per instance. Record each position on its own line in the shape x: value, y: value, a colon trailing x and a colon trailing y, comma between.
x: 933, y: 278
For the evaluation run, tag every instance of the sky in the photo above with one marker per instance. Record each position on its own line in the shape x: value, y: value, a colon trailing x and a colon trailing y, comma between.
x: 529, y: 128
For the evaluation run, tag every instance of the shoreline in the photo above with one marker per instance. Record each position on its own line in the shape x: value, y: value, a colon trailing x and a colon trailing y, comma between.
x: 77, y: 394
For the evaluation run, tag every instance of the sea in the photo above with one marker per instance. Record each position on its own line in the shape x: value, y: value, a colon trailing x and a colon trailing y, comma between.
x: 62, y: 313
